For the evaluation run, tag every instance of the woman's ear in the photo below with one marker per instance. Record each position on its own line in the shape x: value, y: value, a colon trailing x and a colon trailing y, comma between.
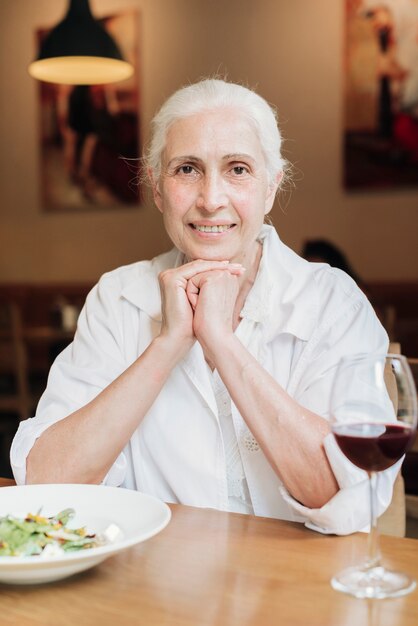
x: 155, y: 189
x: 271, y: 192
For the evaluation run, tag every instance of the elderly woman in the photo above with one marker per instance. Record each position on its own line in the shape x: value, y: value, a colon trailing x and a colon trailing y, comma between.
x: 203, y: 376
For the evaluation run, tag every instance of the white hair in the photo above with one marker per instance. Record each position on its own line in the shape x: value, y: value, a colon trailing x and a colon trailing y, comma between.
x: 210, y: 94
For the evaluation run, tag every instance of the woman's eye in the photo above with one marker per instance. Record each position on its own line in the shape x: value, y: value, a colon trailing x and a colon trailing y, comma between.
x: 186, y: 169
x: 239, y: 170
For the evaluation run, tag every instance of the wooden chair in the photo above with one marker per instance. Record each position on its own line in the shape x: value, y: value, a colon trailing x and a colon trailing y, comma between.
x: 413, y: 364
x: 13, y: 362
x: 411, y: 462
x: 387, y: 315
x: 393, y: 520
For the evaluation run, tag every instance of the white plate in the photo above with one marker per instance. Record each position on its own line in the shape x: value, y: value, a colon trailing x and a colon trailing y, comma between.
x: 138, y: 516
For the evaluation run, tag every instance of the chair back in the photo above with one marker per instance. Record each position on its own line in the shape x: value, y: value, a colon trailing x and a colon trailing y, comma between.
x: 393, y: 520
x: 413, y: 364
x: 13, y: 362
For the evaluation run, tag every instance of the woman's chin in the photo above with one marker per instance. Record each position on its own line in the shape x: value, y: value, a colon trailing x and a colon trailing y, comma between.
x: 208, y: 253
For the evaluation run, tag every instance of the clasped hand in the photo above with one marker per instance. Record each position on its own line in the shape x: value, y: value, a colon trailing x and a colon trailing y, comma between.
x: 198, y: 302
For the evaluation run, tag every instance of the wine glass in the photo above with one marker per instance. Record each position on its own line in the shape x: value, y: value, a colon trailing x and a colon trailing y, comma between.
x: 374, y: 420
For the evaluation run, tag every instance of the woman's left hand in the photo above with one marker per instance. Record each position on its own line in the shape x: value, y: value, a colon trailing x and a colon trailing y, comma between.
x: 213, y: 296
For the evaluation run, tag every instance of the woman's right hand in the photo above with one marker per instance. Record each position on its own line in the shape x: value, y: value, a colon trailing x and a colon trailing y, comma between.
x: 177, y: 311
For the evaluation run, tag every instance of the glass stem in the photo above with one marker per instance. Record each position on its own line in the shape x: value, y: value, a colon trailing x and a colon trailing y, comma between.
x: 373, y: 557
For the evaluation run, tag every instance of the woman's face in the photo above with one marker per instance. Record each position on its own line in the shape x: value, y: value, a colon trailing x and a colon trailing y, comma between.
x: 214, y: 191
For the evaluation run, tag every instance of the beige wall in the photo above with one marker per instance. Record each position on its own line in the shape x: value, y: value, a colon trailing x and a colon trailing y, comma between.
x: 290, y: 50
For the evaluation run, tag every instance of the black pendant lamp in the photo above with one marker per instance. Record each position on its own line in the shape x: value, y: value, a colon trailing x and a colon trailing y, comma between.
x: 79, y: 51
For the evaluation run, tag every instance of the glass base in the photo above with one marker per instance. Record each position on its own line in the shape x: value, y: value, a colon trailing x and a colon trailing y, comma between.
x: 376, y: 582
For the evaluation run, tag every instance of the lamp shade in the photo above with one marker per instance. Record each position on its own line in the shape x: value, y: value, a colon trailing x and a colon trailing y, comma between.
x: 79, y: 51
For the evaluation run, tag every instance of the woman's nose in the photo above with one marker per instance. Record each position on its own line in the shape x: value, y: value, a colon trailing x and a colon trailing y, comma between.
x: 212, y: 194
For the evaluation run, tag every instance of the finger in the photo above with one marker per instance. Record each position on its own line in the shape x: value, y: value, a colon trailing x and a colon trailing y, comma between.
x: 187, y: 271
x: 235, y: 268
x: 196, y: 267
x: 198, y: 280
x: 192, y: 292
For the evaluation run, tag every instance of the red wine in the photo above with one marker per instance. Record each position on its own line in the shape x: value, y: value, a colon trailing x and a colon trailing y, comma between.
x: 373, y: 447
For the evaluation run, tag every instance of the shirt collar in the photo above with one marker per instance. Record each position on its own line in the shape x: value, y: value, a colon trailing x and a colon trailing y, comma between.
x: 283, y: 298
x: 144, y: 290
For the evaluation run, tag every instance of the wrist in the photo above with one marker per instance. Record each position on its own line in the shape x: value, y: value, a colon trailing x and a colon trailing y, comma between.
x: 220, y: 347
x: 171, y: 348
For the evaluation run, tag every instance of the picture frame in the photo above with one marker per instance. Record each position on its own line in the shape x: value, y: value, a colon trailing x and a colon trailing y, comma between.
x: 380, y: 134
x: 89, y: 134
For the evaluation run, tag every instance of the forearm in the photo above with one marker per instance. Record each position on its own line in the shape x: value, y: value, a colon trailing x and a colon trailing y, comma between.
x: 290, y: 435
x: 82, y: 447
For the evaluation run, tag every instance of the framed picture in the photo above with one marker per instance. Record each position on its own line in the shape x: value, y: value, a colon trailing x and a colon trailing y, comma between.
x: 381, y: 94
x: 89, y: 135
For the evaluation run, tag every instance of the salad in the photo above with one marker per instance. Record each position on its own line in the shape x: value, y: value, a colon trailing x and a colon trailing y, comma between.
x: 45, y: 536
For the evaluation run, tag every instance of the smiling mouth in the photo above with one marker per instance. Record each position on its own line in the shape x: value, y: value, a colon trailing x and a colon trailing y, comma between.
x: 216, y: 228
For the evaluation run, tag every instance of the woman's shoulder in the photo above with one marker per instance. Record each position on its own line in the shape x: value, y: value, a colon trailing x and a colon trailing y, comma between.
x: 335, y: 292
x: 132, y: 283
x: 123, y: 276
x: 328, y: 278
x: 307, y: 279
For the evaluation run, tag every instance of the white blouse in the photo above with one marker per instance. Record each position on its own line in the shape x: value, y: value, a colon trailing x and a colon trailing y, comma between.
x: 298, y: 320
x: 239, y: 499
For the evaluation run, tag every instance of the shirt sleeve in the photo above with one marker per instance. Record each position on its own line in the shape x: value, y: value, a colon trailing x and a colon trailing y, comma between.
x: 348, y: 326
x: 349, y: 510
x: 79, y: 374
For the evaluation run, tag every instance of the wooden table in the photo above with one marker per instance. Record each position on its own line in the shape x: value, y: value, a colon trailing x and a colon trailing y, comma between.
x: 210, y: 568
